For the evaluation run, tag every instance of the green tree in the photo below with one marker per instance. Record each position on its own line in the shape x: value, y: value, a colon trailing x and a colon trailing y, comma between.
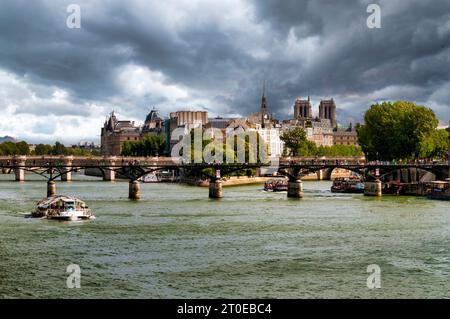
x: 43, y: 149
x: 295, y: 140
x: 152, y: 145
x: 308, y: 148
x: 59, y: 149
x: 22, y: 148
x: 434, y: 145
x: 8, y: 148
x: 396, y: 130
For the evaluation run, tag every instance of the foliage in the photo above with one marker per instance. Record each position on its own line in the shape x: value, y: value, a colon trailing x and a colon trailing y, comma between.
x: 295, y: 140
x: 435, y: 145
x: 398, y: 130
x: 43, y: 149
x: 152, y: 145
x: 60, y: 149
x: 339, y: 150
x: 11, y: 148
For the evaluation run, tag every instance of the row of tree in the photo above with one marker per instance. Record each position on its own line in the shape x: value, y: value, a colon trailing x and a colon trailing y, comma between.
x: 60, y: 149
x: 152, y: 145
x: 22, y: 148
x: 11, y: 148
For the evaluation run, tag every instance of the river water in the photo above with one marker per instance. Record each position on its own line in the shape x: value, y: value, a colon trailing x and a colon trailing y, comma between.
x: 177, y: 243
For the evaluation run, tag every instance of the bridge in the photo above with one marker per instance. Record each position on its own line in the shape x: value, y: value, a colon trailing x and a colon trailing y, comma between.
x: 133, y: 168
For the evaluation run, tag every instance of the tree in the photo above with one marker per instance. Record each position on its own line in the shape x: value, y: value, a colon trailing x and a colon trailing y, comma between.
x: 294, y: 140
x: 43, y: 149
x: 23, y: 148
x: 152, y: 145
x: 435, y: 145
x: 339, y: 150
x: 396, y: 130
x: 308, y: 148
x: 59, y: 149
x: 8, y: 148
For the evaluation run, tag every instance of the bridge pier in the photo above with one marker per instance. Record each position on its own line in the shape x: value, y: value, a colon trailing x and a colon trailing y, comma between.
x: 109, y: 174
x: 66, y: 175
x: 295, y: 189
x: 51, y: 188
x: 19, y: 173
x: 320, y: 175
x: 374, y: 188
x: 134, y: 190
x: 215, y: 189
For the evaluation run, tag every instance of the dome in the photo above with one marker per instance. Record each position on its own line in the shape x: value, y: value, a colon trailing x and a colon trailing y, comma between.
x: 153, y: 116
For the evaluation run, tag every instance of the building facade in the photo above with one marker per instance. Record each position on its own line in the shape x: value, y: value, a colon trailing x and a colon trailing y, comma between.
x: 327, y: 110
x: 345, y: 136
x: 192, y: 118
x: 271, y: 138
x: 302, y: 109
x: 320, y: 132
x: 114, y: 132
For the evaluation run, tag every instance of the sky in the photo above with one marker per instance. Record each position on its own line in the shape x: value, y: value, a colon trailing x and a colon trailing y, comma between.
x: 59, y: 83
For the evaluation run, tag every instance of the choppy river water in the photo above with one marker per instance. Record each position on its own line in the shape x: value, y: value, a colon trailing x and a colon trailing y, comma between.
x: 176, y: 242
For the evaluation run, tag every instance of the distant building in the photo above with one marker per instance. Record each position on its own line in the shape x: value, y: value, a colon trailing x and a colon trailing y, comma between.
x: 302, y: 109
x: 114, y: 132
x: 345, y: 136
x: 153, y: 123
x: 190, y: 118
x: 317, y: 130
x: 320, y: 132
x: 219, y: 123
x: 186, y: 120
x: 263, y: 117
x: 323, y: 130
x: 271, y: 137
x: 86, y: 145
x: 327, y: 110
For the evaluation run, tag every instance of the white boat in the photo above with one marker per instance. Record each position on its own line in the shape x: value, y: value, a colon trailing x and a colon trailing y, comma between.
x: 149, y: 178
x: 63, y: 208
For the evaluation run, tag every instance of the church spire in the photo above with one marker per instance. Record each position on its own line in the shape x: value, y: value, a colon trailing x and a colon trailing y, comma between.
x: 264, y: 107
x: 264, y: 99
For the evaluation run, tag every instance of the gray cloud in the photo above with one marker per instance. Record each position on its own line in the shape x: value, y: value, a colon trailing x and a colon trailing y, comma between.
x: 215, y: 55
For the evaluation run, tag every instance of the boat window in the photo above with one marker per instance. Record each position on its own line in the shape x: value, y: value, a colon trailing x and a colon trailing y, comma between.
x: 70, y: 205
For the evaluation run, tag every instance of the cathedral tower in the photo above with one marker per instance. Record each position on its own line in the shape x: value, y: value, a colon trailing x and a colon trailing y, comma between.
x: 327, y: 110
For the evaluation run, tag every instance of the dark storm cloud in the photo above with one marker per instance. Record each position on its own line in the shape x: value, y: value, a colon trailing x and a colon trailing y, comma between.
x: 318, y: 48
x: 410, y: 49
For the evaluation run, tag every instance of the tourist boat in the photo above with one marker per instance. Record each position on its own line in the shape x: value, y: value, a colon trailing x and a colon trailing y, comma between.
x: 276, y: 185
x: 165, y: 176
x: 439, y: 190
x: 149, y: 178
x: 348, y: 185
x: 62, y: 208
